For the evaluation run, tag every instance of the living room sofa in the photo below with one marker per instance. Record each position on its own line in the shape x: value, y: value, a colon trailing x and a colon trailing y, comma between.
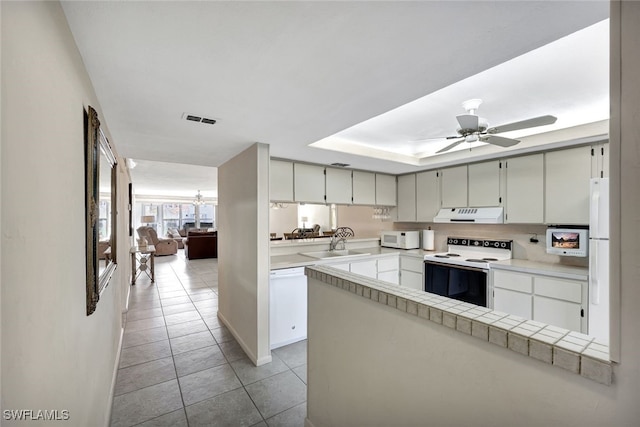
x: 201, y: 244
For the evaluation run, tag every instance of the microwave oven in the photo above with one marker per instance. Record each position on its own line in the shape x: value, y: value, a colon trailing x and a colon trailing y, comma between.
x: 567, y: 241
x: 400, y: 239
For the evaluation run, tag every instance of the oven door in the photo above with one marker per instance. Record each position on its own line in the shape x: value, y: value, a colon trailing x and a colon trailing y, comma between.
x: 461, y: 283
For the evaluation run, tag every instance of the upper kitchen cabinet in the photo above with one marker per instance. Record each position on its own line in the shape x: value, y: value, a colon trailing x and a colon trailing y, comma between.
x: 407, y: 197
x: 567, y: 175
x: 427, y: 196
x: 600, y: 160
x: 338, y: 186
x: 454, y: 187
x: 484, y: 184
x: 281, y: 181
x: 524, y: 194
x: 364, y: 188
x: 385, y: 190
x: 309, y: 181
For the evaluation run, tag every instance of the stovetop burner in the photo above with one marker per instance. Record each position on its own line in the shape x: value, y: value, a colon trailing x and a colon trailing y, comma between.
x: 473, y: 253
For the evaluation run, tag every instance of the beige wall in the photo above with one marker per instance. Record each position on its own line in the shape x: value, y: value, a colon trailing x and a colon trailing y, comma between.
x: 422, y: 370
x: 372, y: 365
x: 519, y: 233
x: 243, y: 262
x: 360, y: 219
x: 54, y: 356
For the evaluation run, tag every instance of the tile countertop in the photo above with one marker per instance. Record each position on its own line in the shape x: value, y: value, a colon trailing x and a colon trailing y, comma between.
x: 532, y: 267
x: 298, y: 260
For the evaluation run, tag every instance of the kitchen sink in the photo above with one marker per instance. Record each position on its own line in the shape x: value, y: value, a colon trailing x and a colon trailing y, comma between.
x: 334, y: 254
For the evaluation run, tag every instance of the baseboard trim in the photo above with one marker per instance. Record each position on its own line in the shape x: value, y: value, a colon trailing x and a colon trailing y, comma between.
x: 245, y: 347
x: 114, y: 377
x: 307, y: 422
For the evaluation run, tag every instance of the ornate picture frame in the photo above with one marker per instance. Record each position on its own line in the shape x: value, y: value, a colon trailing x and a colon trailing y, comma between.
x: 100, y: 209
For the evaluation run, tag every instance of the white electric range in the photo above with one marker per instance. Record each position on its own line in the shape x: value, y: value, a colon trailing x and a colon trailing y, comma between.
x: 462, y: 272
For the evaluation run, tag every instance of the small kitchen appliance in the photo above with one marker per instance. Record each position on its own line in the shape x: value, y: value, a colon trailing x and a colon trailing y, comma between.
x: 400, y: 239
x: 567, y: 241
x: 462, y: 272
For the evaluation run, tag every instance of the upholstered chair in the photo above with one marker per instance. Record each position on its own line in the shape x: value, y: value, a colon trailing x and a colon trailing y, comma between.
x: 163, y: 246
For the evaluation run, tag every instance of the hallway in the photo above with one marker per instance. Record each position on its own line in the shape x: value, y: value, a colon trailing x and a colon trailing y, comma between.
x: 181, y: 367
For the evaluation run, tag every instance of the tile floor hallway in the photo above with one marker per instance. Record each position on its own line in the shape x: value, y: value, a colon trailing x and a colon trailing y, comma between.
x: 180, y: 366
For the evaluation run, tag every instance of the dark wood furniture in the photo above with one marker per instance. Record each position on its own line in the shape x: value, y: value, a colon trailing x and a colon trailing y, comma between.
x: 201, y: 244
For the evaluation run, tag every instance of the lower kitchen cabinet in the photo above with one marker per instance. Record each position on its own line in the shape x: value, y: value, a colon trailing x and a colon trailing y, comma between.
x: 552, y: 300
x: 365, y: 268
x: 512, y: 302
x: 557, y: 312
x: 389, y: 276
x: 411, y: 272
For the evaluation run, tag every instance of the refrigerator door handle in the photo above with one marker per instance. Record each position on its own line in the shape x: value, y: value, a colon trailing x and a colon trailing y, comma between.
x: 594, y: 298
x: 595, y: 204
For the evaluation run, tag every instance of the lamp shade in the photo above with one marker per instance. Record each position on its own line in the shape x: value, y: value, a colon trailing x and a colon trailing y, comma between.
x: 148, y: 218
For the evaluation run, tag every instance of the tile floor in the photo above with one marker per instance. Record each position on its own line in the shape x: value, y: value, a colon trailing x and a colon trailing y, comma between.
x: 180, y: 366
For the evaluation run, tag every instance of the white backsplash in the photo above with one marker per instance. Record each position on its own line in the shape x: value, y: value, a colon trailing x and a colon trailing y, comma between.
x: 519, y: 233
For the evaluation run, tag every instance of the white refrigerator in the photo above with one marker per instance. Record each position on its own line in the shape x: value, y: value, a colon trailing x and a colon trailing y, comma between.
x: 599, y: 260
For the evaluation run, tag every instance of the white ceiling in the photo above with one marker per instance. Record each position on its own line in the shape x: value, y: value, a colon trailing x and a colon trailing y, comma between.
x: 292, y: 73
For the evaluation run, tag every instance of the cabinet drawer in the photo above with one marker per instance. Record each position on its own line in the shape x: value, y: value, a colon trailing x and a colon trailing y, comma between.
x: 567, y: 290
x: 411, y: 264
x: 388, y: 264
x: 514, y: 281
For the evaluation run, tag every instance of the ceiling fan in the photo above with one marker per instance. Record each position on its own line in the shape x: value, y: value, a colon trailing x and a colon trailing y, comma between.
x: 475, y: 128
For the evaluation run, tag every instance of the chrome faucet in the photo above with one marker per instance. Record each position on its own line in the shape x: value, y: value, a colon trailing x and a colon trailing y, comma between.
x: 334, y: 242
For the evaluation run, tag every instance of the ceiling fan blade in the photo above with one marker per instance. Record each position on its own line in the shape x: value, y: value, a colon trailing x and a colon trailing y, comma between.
x: 499, y: 140
x: 529, y: 123
x: 450, y: 146
x: 468, y: 122
x: 435, y: 138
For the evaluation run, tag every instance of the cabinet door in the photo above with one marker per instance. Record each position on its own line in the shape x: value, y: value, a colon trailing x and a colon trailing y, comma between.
x: 555, y: 312
x: 427, y: 196
x: 281, y: 181
x: 516, y: 303
x: 524, y: 198
x: 567, y: 175
x: 309, y: 183
x: 600, y: 161
x: 484, y: 184
x: 407, y: 197
x: 364, y: 188
x: 385, y: 190
x: 389, y: 276
x: 365, y: 268
x: 454, y: 187
x: 338, y: 186
x: 411, y: 279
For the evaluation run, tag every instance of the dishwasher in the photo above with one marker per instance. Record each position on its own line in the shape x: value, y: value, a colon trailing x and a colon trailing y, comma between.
x: 287, y: 306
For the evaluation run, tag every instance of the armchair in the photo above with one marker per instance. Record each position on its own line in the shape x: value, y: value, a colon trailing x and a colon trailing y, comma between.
x: 163, y: 246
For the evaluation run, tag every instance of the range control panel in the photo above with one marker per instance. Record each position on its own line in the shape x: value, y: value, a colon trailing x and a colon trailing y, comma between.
x: 480, y: 243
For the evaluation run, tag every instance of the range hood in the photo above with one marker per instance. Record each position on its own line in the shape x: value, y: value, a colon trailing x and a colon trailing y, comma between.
x: 471, y: 215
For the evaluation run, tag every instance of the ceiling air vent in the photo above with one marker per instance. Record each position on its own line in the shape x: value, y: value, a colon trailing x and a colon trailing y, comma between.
x: 340, y: 165
x: 193, y: 118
